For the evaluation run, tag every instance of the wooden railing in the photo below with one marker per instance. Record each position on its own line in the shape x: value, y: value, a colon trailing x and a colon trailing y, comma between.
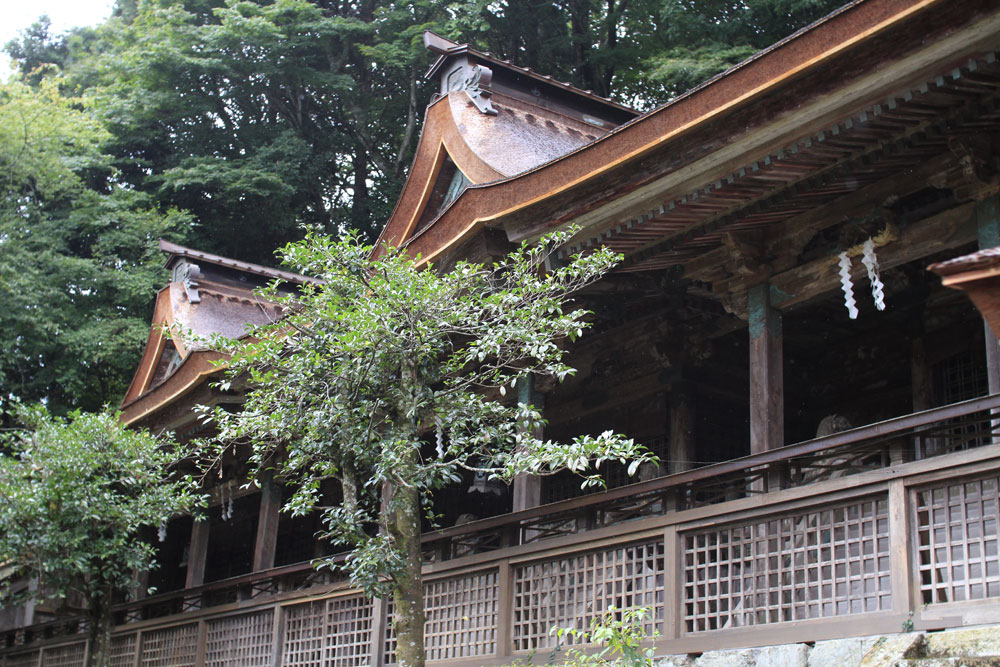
x: 861, y: 532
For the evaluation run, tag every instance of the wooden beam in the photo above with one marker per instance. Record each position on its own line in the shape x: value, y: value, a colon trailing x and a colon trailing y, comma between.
x: 197, y: 554
x: 793, y: 234
x: 267, y: 524
x: 767, y: 395
x: 946, y: 230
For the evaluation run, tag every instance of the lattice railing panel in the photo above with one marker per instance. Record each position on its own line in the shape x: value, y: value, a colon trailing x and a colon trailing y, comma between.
x: 389, y: 647
x: 573, y: 590
x: 957, y: 541
x: 71, y: 655
x: 172, y: 647
x: 819, y: 564
x: 461, y: 616
x: 29, y: 659
x: 348, y: 631
x: 123, y: 649
x: 240, y: 640
x: 336, y: 632
x: 304, y: 627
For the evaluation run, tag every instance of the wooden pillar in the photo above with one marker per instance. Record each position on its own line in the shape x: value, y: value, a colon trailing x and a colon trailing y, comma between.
x: 681, y: 447
x: 197, y: 554
x: 267, y: 524
x: 988, y: 228
x: 922, y: 393
x: 767, y: 392
x: 903, y: 580
x: 528, y: 488
x: 767, y: 386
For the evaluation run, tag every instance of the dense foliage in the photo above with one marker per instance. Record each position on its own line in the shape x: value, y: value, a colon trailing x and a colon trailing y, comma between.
x: 78, y: 265
x: 75, y: 496
x: 394, y: 380
x: 225, y: 125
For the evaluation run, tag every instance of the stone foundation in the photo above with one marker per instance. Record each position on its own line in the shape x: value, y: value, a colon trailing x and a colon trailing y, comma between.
x: 968, y: 647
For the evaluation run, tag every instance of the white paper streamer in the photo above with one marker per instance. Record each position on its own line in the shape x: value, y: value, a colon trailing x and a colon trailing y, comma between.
x: 848, y: 286
x: 162, y: 531
x: 870, y: 261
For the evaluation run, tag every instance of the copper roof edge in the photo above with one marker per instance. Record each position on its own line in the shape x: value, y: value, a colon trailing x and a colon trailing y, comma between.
x: 176, y: 250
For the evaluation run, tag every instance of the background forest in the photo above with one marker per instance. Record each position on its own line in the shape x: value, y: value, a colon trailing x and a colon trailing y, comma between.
x: 228, y: 125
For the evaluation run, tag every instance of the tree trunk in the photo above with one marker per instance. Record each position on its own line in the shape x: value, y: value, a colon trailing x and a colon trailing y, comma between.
x: 409, y: 590
x: 101, y: 623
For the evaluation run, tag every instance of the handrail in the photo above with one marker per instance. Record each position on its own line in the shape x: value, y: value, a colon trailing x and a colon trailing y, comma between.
x: 876, y: 432
x: 884, y: 429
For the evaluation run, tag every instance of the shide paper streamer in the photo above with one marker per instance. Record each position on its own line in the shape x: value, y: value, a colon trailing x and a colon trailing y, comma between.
x: 870, y: 261
x: 848, y: 286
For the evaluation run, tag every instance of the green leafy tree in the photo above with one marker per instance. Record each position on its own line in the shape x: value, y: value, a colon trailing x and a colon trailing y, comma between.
x: 78, y: 258
x: 75, y: 497
x: 395, y: 380
x: 618, y: 636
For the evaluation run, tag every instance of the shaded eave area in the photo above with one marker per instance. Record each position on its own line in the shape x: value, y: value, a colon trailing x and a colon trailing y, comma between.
x: 843, y: 103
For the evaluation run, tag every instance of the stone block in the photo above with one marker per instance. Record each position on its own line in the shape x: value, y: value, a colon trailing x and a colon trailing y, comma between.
x: 964, y: 642
x: 889, y: 650
x: 784, y: 655
x: 840, y: 652
x: 746, y: 657
x: 674, y: 661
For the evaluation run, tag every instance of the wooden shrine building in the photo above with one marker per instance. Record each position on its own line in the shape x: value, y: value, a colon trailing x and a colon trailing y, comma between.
x: 823, y: 405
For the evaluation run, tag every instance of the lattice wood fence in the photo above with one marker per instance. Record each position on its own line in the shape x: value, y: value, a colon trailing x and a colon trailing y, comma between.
x: 572, y: 591
x: 957, y: 541
x: 240, y: 640
x: 28, y: 659
x: 171, y: 647
x: 123, y: 650
x: 71, y: 655
x: 827, y: 563
x: 844, y: 558
x: 336, y: 632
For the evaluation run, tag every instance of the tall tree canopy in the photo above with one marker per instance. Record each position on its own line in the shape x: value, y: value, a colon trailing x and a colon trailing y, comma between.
x: 77, y: 255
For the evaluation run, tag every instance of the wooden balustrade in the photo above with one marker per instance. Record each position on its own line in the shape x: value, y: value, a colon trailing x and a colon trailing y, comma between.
x: 866, y: 546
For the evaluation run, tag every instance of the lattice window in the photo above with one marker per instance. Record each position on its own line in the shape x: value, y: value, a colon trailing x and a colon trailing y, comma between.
x: 171, y: 647
x: 123, y: 649
x: 348, y: 631
x: 573, y: 590
x: 304, y: 627
x: 960, y: 377
x: 64, y: 656
x: 461, y: 616
x: 240, y: 640
x: 818, y: 564
x: 957, y: 541
x: 29, y: 659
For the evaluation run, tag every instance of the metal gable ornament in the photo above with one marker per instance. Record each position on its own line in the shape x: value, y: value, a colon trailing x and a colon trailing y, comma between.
x: 477, y: 87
